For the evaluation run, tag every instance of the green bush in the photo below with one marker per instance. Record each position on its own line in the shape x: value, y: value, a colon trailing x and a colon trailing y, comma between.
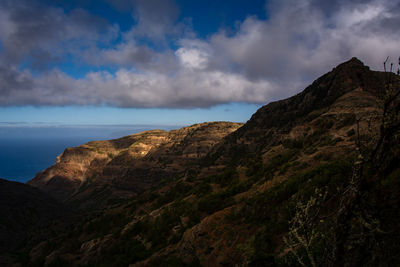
x: 228, y: 177
x: 178, y: 191
x: 214, y: 202
x: 276, y: 201
x: 202, y: 189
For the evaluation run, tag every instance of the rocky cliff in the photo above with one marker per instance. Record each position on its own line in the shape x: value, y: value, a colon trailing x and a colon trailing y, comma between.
x: 125, y: 167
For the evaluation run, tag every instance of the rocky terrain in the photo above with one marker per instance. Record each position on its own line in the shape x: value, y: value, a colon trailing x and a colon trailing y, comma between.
x: 276, y: 191
x: 123, y: 168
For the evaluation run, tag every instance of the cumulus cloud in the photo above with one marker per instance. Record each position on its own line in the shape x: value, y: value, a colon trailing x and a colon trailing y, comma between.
x: 300, y: 40
x: 194, y: 54
x: 129, y: 54
x: 260, y: 61
x: 186, y: 89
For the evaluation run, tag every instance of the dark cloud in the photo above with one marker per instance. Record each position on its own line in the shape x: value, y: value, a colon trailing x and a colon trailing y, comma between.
x: 331, y: 7
x: 13, y: 81
x: 155, y: 19
x: 39, y: 35
x: 28, y: 29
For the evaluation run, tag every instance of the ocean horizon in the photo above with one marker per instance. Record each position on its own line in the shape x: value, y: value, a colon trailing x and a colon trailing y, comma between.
x: 26, y: 150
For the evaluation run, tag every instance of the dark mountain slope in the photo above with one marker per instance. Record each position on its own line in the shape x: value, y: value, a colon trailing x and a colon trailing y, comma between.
x: 269, y: 123
x: 25, y: 215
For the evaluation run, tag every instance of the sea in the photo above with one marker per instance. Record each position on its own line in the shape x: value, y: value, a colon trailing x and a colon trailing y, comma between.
x: 26, y: 150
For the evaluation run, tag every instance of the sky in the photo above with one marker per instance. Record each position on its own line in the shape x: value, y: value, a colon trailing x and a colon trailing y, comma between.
x: 166, y: 62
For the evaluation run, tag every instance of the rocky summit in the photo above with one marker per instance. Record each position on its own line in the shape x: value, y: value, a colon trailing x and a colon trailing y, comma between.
x: 312, y: 180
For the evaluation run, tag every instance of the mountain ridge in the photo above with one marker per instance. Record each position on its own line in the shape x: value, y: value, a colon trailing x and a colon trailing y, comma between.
x: 148, y: 150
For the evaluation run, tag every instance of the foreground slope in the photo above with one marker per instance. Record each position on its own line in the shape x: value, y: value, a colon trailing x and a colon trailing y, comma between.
x: 25, y: 215
x: 220, y: 194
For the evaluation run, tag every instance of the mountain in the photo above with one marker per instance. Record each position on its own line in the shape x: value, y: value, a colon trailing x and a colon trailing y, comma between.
x: 348, y: 91
x: 309, y: 180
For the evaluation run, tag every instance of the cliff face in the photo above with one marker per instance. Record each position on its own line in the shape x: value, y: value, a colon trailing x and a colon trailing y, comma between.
x: 220, y: 194
x: 124, y: 167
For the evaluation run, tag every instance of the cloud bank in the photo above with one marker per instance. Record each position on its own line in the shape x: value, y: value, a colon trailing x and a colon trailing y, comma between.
x: 160, y: 61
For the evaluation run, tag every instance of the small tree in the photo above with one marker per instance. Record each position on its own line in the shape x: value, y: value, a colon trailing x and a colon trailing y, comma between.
x: 303, y: 229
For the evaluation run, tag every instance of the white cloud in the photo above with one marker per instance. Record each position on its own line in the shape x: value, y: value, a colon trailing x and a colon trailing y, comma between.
x: 362, y: 14
x: 192, y: 58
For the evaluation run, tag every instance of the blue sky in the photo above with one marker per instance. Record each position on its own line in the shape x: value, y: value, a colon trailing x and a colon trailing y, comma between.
x: 166, y: 62
x: 88, y: 115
